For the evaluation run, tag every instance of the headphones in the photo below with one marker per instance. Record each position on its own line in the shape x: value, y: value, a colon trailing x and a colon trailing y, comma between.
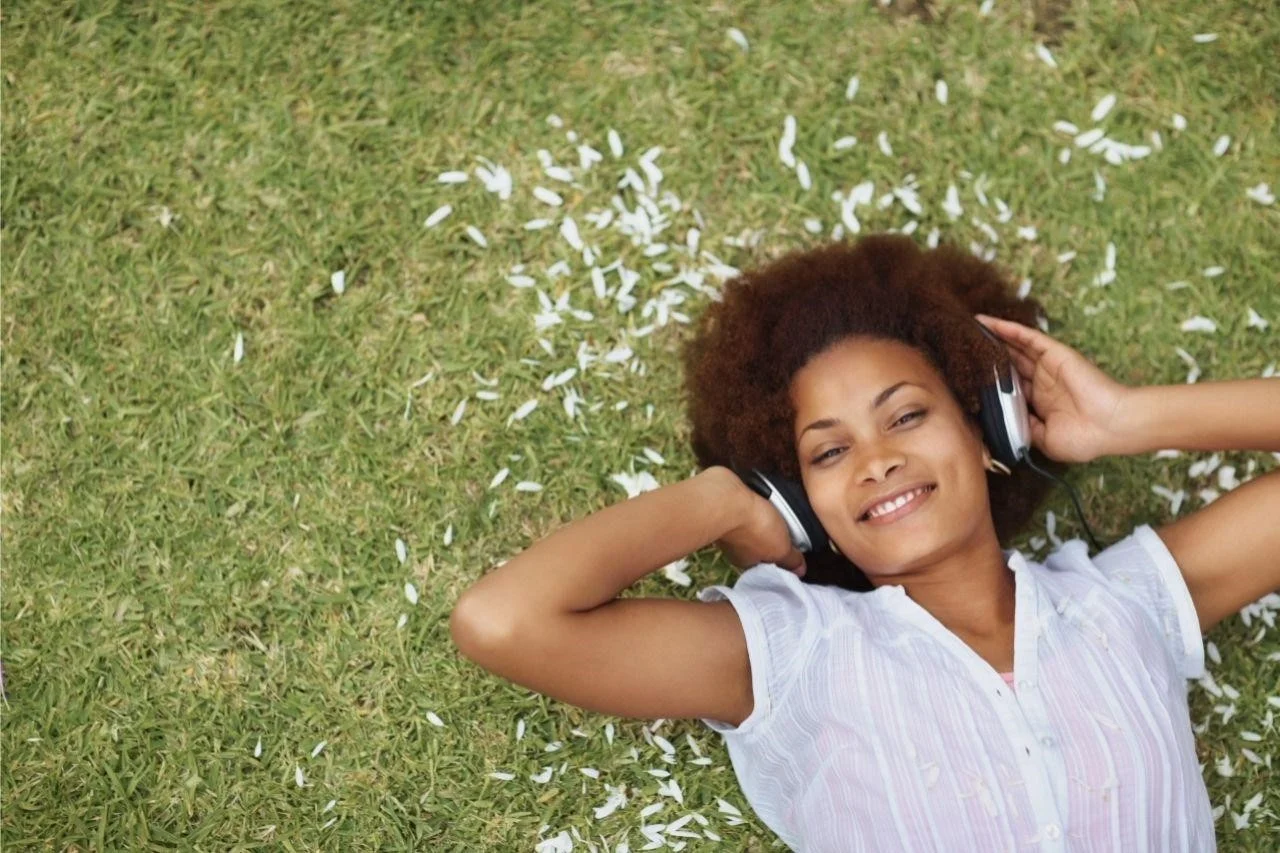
x: 1006, y: 426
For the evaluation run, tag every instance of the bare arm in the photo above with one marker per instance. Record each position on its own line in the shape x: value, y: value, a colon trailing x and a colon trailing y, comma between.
x: 1238, y: 414
x: 549, y: 619
x: 1229, y: 551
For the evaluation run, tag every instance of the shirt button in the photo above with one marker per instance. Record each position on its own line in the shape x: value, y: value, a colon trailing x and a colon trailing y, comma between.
x: 1046, y: 740
x: 1052, y: 832
x: 1025, y: 685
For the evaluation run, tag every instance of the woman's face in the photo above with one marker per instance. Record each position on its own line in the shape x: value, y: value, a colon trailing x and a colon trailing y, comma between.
x: 870, y: 444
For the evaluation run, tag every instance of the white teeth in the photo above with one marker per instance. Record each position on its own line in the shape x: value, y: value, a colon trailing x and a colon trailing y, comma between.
x: 890, y: 506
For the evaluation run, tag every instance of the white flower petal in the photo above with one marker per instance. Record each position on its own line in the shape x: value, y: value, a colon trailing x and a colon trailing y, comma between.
x: 1103, y: 107
x: 547, y: 196
x: 1261, y: 193
x: 438, y: 216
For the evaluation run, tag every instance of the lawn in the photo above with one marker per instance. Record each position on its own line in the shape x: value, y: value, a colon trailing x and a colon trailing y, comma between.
x: 276, y: 388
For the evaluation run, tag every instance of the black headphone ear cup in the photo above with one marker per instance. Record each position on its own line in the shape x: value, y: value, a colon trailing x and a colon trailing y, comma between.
x: 792, y: 494
x: 993, y: 430
x: 774, y: 487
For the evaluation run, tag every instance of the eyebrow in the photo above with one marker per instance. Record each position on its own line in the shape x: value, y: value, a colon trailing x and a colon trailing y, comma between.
x: 881, y: 398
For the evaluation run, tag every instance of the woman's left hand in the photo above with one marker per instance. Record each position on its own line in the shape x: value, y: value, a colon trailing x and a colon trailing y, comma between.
x: 1075, y: 409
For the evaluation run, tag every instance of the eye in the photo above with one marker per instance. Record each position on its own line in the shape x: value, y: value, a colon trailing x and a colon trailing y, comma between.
x: 916, y: 415
x: 909, y: 415
x: 825, y: 455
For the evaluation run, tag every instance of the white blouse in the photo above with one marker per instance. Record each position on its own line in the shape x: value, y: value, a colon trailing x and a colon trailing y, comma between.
x: 876, y: 728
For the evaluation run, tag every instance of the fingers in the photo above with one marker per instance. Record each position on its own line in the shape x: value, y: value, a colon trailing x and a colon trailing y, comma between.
x: 1025, y: 366
x: 1033, y: 341
x: 1037, y: 431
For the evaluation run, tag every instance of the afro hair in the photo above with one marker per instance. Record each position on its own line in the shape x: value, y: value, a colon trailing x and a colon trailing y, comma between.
x: 769, y: 322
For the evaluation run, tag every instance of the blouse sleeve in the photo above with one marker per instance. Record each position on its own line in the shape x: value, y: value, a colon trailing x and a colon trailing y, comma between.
x: 1143, y: 565
x: 779, y: 620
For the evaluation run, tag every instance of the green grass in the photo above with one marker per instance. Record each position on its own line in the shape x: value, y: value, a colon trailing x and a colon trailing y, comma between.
x: 165, y: 603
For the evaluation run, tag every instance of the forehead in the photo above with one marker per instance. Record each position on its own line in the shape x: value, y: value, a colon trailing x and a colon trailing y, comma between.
x: 858, y: 368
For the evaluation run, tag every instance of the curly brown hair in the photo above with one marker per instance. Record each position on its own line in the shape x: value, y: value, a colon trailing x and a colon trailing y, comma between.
x: 771, y: 321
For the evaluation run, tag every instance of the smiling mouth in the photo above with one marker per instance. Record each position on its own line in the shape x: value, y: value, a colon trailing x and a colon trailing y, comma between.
x: 900, y: 512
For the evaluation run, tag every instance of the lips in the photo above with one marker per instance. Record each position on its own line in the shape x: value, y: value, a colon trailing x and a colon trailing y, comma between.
x: 902, y: 511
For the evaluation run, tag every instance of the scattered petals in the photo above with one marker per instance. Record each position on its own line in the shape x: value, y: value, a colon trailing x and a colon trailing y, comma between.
x: 787, y: 141
x: 547, y: 196
x: 1199, y: 324
x: 1261, y: 193
x: 438, y: 216
x: 1103, y: 107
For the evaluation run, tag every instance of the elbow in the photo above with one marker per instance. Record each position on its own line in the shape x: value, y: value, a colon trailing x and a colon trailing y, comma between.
x: 478, y: 629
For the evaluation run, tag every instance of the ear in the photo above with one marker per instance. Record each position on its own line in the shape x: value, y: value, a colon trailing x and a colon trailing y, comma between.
x: 975, y: 429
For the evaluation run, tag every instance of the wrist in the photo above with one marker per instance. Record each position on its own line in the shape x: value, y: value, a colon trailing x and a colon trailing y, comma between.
x: 1133, y: 423
x: 728, y: 492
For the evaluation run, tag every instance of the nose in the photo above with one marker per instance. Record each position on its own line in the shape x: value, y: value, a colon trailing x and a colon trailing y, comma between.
x: 878, y: 464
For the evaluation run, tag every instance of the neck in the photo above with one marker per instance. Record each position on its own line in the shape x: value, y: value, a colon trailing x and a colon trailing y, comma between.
x: 971, y: 591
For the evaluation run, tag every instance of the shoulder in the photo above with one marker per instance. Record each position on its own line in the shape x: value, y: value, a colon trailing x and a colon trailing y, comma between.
x: 771, y: 599
x: 1140, y: 571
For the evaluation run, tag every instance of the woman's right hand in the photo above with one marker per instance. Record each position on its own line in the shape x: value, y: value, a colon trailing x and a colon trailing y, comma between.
x: 761, y: 536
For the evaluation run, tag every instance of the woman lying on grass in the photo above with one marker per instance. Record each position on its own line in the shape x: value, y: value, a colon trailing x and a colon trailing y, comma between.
x: 916, y: 686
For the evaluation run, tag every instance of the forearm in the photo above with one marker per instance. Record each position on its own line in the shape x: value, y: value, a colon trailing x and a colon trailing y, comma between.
x: 590, y: 561
x: 1239, y: 414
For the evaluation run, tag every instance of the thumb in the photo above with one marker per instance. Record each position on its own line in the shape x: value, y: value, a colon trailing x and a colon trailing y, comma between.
x: 794, y: 562
x: 1037, y: 430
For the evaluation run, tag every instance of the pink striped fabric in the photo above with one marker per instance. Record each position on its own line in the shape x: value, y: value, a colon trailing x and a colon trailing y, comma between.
x: 875, y: 728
